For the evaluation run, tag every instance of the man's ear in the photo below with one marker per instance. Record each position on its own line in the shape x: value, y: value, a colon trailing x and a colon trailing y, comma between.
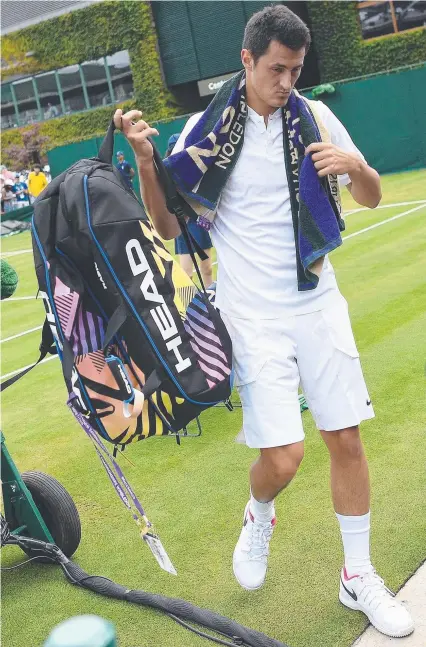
x: 247, y: 59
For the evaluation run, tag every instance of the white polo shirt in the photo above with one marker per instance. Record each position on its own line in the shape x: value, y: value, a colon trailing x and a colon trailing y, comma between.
x: 253, y: 228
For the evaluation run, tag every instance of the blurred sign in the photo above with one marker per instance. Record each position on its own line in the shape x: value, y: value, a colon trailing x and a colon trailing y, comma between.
x: 211, y: 86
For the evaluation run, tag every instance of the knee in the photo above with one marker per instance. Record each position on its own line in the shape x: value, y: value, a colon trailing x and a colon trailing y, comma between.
x: 345, y: 445
x: 283, y: 462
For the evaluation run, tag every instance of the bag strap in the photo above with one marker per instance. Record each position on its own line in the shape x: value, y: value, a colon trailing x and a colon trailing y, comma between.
x: 107, y: 147
x: 181, y: 209
x: 116, y: 321
x: 47, y: 346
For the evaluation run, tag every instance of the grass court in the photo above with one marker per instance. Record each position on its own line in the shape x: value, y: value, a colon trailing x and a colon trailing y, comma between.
x: 195, y: 494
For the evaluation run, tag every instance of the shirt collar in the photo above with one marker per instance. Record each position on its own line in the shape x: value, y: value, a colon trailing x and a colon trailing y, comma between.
x: 259, y: 119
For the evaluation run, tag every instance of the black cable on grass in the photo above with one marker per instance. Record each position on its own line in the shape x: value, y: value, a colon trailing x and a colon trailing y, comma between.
x: 179, y: 610
x: 208, y: 636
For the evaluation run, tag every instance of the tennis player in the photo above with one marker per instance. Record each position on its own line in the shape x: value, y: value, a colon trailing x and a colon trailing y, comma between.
x: 284, y: 335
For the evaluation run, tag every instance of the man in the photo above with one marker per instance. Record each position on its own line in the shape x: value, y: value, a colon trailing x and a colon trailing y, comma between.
x: 276, y: 291
x: 37, y: 181
x: 199, y: 234
x: 125, y: 169
x: 21, y: 192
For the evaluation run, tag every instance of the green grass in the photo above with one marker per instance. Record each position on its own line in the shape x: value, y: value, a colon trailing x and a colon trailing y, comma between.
x: 195, y: 493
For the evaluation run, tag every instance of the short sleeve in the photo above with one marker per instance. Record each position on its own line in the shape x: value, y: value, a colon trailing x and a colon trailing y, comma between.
x: 339, y: 136
x: 187, y: 129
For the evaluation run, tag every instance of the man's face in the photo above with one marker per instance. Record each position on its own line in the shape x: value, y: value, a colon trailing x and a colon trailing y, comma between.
x: 121, y: 158
x: 274, y: 75
x: 36, y: 170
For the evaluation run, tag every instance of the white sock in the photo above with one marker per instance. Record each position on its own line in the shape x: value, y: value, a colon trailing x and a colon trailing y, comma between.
x: 356, y: 542
x: 262, y: 511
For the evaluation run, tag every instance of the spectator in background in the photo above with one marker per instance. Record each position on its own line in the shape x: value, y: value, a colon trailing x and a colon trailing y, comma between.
x: 125, y: 169
x: 46, y: 171
x: 7, y: 175
x: 37, y: 181
x: 21, y: 192
x: 51, y: 112
x: 7, y: 196
x: 201, y: 236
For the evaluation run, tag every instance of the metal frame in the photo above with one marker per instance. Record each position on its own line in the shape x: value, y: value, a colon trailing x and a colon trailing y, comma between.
x: 19, y: 506
x: 396, y: 29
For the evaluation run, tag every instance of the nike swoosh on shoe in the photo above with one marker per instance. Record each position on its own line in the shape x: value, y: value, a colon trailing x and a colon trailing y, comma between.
x: 351, y: 593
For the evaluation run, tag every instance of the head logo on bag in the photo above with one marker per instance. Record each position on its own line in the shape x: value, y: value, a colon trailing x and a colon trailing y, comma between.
x: 161, y: 313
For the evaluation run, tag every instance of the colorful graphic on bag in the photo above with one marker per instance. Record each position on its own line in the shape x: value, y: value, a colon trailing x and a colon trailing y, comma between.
x: 194, y: 313
x: 206, y: 343
x: 93, y: 381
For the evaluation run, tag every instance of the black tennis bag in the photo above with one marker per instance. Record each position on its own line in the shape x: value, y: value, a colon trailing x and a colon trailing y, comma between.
x: 143, y: 350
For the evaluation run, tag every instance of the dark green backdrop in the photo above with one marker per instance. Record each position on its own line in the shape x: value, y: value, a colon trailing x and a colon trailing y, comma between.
x: 385, y: 116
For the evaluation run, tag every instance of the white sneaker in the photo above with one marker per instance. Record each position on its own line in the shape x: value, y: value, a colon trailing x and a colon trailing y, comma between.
x: 368, y: 593
x: 250, y: 559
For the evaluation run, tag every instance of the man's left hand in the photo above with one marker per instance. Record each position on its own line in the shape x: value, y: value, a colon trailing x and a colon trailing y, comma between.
x: 329, y: 159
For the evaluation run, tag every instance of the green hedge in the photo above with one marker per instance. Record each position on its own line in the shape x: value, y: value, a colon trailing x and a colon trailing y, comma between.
x: 342, y: 52
x: 84, y: 35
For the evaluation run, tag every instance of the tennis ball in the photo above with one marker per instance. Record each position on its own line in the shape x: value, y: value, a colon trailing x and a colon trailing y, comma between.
x: 9, y: 280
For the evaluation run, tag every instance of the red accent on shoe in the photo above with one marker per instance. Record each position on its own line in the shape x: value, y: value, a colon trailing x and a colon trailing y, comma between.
x: 346, y: 576
x: 273, y: 521
x: 251, y: 516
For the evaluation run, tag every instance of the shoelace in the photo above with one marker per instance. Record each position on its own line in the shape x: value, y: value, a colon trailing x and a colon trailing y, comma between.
x: 259, y: 538
x: 376, y: 592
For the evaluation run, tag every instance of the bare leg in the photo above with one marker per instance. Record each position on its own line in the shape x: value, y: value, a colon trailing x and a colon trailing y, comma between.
x: 206, y: 269
x: 270, y: 474
x: 185, y: 261
x: 350, y: 485
x: 274, y: 469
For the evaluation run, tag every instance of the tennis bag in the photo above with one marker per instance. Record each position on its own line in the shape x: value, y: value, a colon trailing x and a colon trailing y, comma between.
x: 143, y: 350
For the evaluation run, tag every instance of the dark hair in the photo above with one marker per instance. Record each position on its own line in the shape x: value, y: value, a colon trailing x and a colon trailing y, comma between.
x: 276, y: 22
x: 36, y: 166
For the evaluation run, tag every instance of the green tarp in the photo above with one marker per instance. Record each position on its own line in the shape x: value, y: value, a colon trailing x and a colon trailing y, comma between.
x: 386, y: 117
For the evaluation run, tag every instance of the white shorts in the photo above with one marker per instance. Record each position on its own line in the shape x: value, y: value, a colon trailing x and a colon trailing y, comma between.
x: 317, y: 351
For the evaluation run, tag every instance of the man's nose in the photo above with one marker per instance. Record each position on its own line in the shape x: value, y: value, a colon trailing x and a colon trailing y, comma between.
x: 285, y: 81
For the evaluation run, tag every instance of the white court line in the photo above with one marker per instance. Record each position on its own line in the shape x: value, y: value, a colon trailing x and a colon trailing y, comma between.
x: 379, y: 224
x: 21, y: 334
x: 19, y: 251
x: 385, y: 206
x: 4, y: 377
x: 383, y: 222
x: 17, y: 299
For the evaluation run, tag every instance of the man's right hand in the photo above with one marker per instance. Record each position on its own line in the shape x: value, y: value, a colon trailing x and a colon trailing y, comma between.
x: 136, y: 132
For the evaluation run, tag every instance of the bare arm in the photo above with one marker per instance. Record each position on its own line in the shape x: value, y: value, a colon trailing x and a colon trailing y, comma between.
x: 365, y: 185
x: 365, y: 181
x: 155, y: 204
x: 152, y: 194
